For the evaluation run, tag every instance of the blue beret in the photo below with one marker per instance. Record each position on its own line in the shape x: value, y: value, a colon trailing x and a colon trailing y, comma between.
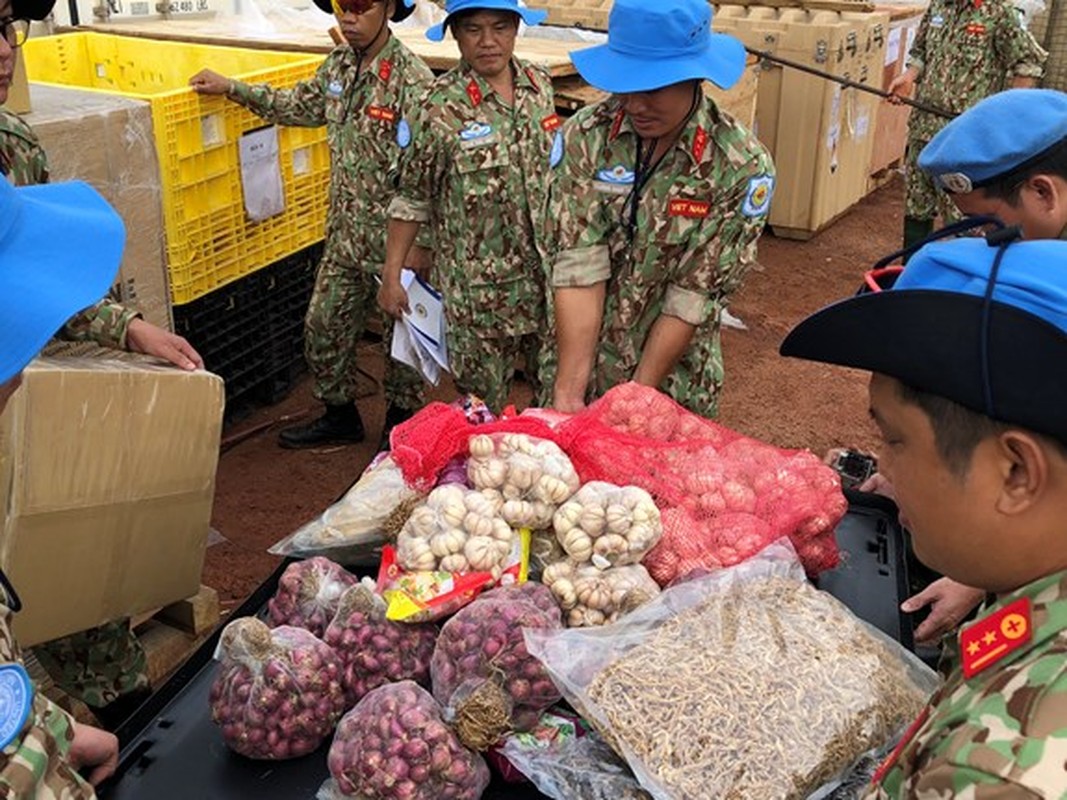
x: 987, y: 332
x: 994, y: 137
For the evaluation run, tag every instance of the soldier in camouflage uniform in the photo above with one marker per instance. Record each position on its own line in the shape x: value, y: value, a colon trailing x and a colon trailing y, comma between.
x: 659, y: 202
x: 41, y: 746
x: 964, y: 50
x: 106, y: 668
x: 362, y: 93
x: 476, y: 170
x: 976, y: 450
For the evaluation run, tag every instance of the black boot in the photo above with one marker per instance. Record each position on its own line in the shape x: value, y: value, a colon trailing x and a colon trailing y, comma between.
x: 915, y: 230
x: 339, y: 425
x: 394, y: 415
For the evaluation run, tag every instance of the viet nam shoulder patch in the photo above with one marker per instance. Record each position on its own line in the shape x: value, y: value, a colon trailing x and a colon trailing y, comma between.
x: 758, y: 198
x: 691, y: 209
x: 16, y: 700
x: 991, y: 639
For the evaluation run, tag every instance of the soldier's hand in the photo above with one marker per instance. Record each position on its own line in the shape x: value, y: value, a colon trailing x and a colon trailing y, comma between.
x: 420, y: 261
x: 902, y: 86
x: 949, y: 602
x: 566, y: 404
x: 208, y: 82
x: 879, y: 484
x: 393, y: 299
x: 144, y: 337
x: 94, y: 748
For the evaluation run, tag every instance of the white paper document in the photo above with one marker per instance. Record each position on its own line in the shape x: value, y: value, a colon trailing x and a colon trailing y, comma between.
x: 261, y: 174
x: 419, y: 338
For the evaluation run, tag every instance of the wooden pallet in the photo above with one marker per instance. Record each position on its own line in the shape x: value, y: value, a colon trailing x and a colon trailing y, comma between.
x: 883, y: 176
x: 169, y: 636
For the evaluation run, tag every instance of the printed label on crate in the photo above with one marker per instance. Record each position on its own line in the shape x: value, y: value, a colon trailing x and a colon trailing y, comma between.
x: 892, y: 47
x: 261, y: 174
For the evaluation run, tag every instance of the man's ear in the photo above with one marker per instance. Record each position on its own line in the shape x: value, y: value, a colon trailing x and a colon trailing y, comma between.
x: 1048, y: 192
x: 1024, y: 468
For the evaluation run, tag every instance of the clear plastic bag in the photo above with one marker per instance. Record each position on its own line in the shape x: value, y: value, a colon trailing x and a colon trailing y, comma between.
x: 608, y: 525
x: 309, y: 593
x: 582, y: 767
x: 590, y: 596
x: 394, y: 745
x: 746, y: 683
x: 278, y: 693
x: 482, y: 673
x: 531, y: 476
x: 353, y: 530
x: 374, y: 650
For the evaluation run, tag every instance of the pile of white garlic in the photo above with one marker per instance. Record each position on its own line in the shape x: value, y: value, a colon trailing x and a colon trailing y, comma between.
x: 531, y: 476
x: 457, y: 530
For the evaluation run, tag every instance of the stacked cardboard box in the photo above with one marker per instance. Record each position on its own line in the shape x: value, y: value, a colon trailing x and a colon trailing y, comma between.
x: 107, y: 141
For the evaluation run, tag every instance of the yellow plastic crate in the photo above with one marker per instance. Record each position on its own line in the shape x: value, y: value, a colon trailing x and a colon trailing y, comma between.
x: 209, y: 239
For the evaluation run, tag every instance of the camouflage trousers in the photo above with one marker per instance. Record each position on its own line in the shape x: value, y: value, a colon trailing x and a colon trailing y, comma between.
x: 483, y: 364
x: 96, y: 666
x: 35, y: 765
x: 922, y: 198
x: 343, y: 299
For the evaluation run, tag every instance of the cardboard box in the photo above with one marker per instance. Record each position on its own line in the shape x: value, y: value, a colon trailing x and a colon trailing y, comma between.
x: 107, y: 476
x: 18, y: 93
x: 107, y: 141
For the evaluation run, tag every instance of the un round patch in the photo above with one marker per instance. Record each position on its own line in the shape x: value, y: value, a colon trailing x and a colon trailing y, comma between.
x: 403, y: 133
x: 16, y: 700
x: 956, y: 183
x: 557, y: 150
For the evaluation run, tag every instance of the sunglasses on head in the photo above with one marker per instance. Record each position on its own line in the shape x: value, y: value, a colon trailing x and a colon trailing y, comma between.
x: 357, y: 7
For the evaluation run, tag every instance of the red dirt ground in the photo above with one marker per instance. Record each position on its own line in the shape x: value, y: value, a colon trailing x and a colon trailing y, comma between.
x: 265, y: 492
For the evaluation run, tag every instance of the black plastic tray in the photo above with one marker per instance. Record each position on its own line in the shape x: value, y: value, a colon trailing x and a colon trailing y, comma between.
x: 874, y: 577
x: 171, y: 750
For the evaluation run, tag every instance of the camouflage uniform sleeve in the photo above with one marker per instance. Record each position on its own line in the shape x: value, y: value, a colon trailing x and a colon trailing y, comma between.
x: 35, y: 763
x: 421, y: 167
x: 304, y: 105
x: 720, y: 251
x: 105, y: 323
x: 582, y: 223
x: 419, y: 79
x: 1016, y: 47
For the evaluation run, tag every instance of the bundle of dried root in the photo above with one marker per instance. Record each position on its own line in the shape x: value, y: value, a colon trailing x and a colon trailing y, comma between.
x: 763, y: 691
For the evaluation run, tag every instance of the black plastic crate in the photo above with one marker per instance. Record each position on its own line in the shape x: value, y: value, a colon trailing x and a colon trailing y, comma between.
x: 251, y: 332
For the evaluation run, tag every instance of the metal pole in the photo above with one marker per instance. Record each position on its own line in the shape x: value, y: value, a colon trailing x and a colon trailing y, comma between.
x: 863, y: 87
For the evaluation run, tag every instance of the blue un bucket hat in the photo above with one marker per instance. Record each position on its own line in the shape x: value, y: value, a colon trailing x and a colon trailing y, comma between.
x: 60, y: 246
x: 531, y: 16
x: 656, y: 44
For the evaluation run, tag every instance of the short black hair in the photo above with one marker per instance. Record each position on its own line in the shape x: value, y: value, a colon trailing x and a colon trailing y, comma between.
x: 1052, y: 161
x: 467, y: 13
x: 959, y: 430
